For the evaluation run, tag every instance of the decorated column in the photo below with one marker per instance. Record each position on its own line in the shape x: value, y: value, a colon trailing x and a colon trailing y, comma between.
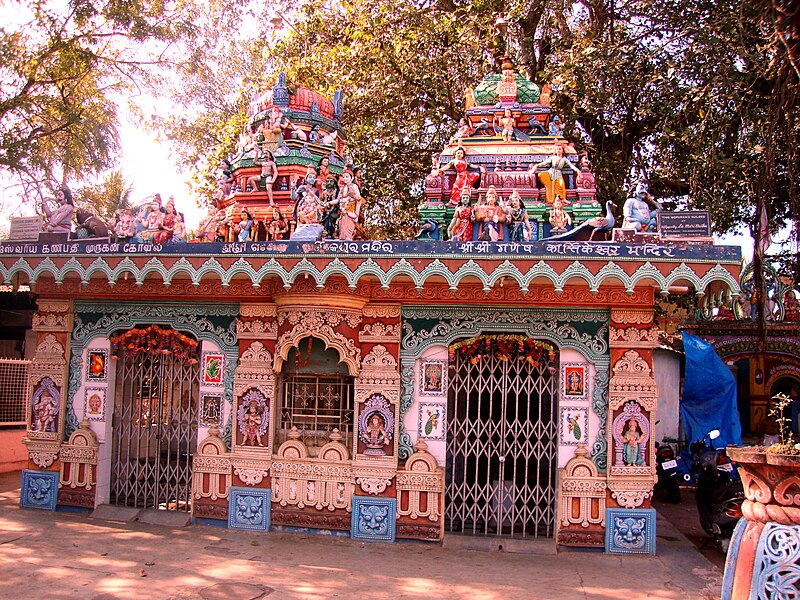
x: 633, y: 396
x: 47, y: 404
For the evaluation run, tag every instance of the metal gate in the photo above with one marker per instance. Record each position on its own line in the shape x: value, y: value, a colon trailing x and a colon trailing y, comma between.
x: 501, y: 448
x: 155, y: 432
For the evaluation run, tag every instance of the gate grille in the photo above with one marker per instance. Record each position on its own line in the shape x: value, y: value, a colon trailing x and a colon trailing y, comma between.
x: 155, y: 432
x: 502, y: 448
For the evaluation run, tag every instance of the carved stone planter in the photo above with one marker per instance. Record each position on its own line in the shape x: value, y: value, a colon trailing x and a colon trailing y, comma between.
x: 764, y: 556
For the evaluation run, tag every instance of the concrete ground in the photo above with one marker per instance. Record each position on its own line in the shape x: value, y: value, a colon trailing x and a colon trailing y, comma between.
x: 65, y: 555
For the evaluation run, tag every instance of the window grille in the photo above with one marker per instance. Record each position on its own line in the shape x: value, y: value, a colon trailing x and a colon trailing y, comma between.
x: 316, y: 405
x: 13, y: 391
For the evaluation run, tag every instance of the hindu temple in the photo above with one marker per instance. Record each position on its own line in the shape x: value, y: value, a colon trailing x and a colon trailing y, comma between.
x: 492, y: 378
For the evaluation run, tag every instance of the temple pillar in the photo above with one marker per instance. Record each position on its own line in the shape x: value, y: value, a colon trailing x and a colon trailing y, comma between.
x: 633, y: 399
x: 47, y: 387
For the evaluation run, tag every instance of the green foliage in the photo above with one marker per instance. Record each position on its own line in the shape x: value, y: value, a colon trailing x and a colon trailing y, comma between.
x: 699, y: 96
x: 104, y: 199
x: 60, y: 69
x: 778, y: 411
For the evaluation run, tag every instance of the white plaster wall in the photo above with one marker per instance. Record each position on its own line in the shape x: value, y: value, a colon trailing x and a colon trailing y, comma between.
x: 667, y: 372
x: 100, y: 425
x: 438, y: 448
x: 567, y: 451
x: 202, y: 432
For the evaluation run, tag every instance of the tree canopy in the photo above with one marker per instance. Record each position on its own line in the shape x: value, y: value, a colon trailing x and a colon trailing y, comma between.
x: 63, y: 68
x: 699, y: 96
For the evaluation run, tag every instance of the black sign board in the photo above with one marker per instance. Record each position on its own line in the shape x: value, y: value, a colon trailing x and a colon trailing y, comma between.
x: 686, y: 224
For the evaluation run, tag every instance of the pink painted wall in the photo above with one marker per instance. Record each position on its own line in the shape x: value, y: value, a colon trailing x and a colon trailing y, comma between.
x: 13, y: 454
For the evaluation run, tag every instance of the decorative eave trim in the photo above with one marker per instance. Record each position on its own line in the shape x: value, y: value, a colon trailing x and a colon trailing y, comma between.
x: 524, y: 270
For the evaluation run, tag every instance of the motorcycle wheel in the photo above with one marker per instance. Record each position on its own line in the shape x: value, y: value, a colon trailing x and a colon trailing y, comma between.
x: 673, y: 491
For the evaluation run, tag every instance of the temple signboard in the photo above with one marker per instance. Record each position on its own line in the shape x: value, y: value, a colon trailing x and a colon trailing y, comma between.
x: 686, y: 224
x: 25, y: 228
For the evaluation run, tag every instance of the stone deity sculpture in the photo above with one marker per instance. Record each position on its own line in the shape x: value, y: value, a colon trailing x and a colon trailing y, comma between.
x: 553, y: 177
x: 59, y: 219
x: 640, y: 211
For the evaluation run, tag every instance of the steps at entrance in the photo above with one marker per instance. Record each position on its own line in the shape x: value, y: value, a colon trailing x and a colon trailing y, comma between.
x: 545, y: 546
x: 166, y: 518
x: 151, y: 516
x: 110, y: 512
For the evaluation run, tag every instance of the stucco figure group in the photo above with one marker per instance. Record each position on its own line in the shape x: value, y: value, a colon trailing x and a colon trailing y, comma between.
x: 485, y: 222
x: 640, y: 211
x: 153, y: 223
x: 321, y: 200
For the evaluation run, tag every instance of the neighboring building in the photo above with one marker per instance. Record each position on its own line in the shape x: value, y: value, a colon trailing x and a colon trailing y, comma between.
x: 385, y: 389
x: 766, y: 360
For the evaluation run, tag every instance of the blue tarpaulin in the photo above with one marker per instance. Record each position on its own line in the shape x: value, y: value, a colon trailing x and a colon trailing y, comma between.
x: 709, y: 395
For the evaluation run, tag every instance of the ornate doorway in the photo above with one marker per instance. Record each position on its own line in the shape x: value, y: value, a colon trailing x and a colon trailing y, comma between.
x: 155, y: 419
x: 502, y: 439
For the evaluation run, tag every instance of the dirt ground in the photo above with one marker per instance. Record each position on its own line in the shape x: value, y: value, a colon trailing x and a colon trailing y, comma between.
x: 685, y: 518
x: 66, y: 555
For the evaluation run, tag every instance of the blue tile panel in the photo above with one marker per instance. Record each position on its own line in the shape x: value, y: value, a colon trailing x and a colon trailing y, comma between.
x: 249, y: 508
x: 39, y: 490
x: 374, y: 519
x: 630, y: 531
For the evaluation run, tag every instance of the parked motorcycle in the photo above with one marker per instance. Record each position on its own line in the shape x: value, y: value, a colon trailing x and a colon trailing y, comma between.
x: 669, y: 475
x: 719, y: 495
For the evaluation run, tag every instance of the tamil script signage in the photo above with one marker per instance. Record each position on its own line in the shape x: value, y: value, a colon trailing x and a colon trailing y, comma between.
x: 685, y: 224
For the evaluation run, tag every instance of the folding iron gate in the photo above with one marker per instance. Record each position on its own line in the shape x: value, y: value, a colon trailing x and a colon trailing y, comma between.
x: 501, y: 448
x: 155, y: 432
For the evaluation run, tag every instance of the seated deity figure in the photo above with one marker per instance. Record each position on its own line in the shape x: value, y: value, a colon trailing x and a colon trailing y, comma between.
x: 307, y: 203
x: 125, y: 227
x: 59, y: 219
x: 375, y: 436
x: 559, y: 218
x: 640, y: 211
x: 491, y: 217
x: 150, y: 221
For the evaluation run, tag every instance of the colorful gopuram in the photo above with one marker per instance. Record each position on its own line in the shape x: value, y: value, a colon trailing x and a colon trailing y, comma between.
x: 497, y: 383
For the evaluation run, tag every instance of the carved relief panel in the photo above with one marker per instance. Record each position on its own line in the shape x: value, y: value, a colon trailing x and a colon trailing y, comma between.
x: 78, y: 468
x: 46, y: 404
x: 582, y: 503
x: 420, y: 496
x: 377, y: 392
x: 254, y: 395
x: 211, y: 478
x: 633, y: 397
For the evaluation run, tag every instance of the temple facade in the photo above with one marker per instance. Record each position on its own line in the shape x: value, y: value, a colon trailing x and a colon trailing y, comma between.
x: 490, y: 386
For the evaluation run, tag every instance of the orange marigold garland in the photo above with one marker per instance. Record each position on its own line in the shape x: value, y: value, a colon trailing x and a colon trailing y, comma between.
x: 503, y: 347
x: 154, y: 340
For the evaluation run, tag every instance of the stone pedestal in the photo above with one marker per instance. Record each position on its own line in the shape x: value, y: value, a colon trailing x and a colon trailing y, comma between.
x: 764, y: 556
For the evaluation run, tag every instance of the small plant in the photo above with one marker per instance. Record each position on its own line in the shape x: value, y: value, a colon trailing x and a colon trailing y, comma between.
x: 787, y: 444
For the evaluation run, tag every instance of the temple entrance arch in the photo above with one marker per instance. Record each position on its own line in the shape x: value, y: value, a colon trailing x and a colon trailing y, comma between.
x: 502, y: 437
x: 155, y: 418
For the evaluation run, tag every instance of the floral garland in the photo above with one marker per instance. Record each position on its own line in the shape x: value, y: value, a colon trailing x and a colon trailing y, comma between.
x: 503, y: 347
x: 154, y: 340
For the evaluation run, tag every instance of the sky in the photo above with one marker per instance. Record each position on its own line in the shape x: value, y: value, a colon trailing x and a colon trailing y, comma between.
x: 148, y: 166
